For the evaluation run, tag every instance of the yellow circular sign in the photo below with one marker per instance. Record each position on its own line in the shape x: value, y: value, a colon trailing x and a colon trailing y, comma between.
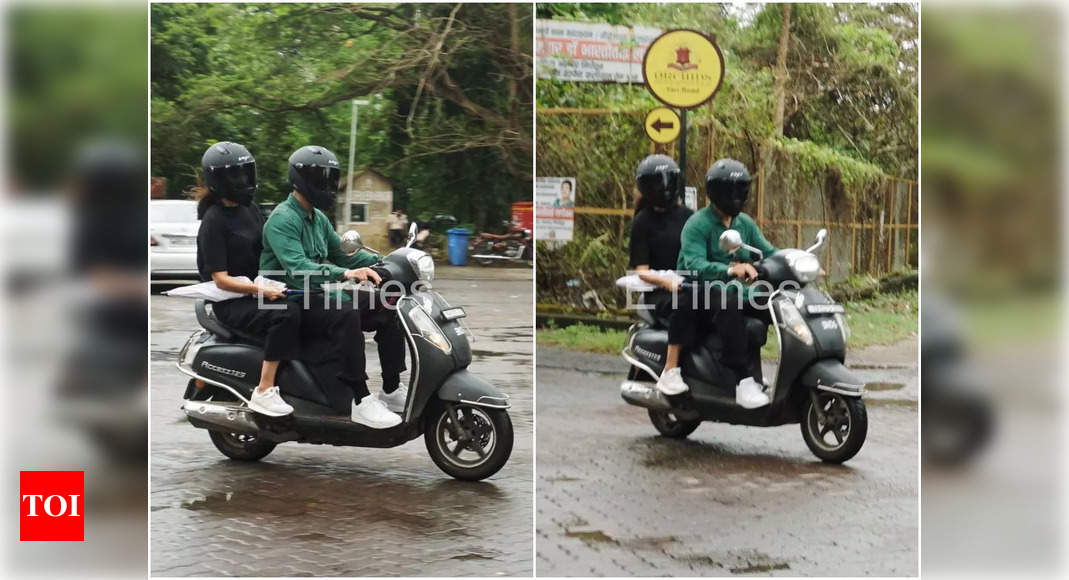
x: 662, y: 125
x: 683, y: 68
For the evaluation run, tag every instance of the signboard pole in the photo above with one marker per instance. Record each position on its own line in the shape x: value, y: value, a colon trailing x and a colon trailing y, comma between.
x: 682, y: 151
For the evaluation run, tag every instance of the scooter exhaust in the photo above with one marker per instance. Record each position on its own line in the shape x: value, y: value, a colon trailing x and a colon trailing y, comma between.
x: 644, y: 395
x: 229, y: 417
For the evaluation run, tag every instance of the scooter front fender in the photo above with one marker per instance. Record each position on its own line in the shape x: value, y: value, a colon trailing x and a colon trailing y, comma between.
x: 464, y: 387
x: 831, y: 375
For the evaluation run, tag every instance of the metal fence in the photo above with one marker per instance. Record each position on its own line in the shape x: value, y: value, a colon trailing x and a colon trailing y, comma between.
x: 872, y: 231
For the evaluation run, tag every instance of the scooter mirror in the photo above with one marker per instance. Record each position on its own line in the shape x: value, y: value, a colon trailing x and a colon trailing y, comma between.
x: 351, y: 242
x: 730, y: 241
x: 822, y: 236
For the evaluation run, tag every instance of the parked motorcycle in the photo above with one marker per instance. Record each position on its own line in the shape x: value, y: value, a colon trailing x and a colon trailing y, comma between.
x: 512, y: 246
x: 811, y: 385
x: 957, y: 415
x: 463, y: 418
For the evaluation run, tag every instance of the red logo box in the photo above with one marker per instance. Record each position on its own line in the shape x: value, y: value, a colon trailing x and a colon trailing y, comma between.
x: 51, y: 506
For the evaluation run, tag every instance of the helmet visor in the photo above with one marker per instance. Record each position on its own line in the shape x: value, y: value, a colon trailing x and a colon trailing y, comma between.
x: 322, y: 179
x: 235, y: 178
x: 659, y: 186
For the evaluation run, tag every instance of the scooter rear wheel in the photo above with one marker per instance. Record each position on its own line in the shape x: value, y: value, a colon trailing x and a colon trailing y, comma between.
x: 840, y: 435
x: 482, y: 456
x: 240, y: 446
x: 671, y: 426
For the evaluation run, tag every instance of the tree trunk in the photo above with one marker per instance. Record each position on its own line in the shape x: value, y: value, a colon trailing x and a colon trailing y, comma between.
x: 780, y: 87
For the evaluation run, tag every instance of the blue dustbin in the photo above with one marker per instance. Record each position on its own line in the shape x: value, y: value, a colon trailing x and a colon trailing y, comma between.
x: 458, y: 246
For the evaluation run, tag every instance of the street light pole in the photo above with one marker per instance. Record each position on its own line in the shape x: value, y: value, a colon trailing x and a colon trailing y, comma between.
x: 352, y: 152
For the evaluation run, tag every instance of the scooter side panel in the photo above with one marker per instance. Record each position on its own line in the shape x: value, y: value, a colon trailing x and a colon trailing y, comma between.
x: 236, y: 365
x: 650, y: 346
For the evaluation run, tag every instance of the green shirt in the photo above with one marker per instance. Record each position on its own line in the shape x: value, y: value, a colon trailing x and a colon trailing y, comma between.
x: 701, y: 255
x: 297, y: 243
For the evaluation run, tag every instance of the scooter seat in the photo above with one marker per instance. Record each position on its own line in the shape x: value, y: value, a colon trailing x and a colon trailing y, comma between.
x: 207, y: 319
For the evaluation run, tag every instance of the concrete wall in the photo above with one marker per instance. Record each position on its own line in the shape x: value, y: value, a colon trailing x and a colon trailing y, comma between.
x: 374, y: 190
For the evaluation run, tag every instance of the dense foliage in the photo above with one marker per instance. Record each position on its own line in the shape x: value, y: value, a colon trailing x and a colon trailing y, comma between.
x: 851, y: 84
x: 449, y: 120
x: 848, y: 88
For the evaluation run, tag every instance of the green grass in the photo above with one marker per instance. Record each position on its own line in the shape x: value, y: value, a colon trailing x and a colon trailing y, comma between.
x: 884, y: 319
x: 584, y: 337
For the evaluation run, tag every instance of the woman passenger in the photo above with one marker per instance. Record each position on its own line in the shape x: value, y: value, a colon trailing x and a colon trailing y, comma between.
x: 228, y: 246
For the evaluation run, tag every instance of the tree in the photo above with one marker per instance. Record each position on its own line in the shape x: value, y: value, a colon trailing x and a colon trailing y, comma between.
x: 450, y: 114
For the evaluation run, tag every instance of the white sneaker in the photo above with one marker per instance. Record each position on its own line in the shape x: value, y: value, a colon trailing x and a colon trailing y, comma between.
x: 371, y: 412
x: 269, y: 402
x: 671, y: 382
x: 395, y: 401
x: 748, y: 394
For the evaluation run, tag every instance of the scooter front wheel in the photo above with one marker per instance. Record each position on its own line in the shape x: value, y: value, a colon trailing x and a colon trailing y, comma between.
x: 669, y: 425
x: 836, y: 430
x: 466, y: 441
x: 241, y: 446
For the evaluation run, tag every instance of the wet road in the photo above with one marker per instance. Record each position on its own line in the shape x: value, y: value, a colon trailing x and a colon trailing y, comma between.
x: 346, y: 511
x: 616, y: 499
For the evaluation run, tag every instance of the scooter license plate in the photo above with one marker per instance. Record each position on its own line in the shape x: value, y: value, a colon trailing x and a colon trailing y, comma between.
x: 450, y: 314
x: 825, y: 309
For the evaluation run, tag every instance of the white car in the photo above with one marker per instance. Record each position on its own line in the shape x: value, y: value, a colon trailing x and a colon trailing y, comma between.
x: 173, y: 226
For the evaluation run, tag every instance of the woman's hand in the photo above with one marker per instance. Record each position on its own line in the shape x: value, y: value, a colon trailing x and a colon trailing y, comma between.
x: 363, y: 275
x: 671, y: 284
x: 273, y: 293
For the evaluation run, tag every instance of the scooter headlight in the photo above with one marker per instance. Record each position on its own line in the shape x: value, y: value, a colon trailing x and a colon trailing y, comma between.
x: 425, y: 327
x: 423, y: 264
x: 804, y: 266
x: 793, y: 321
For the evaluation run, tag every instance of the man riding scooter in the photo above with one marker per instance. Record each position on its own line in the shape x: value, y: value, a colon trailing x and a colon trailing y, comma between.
x: 301, y: 249
x: 727, y: 183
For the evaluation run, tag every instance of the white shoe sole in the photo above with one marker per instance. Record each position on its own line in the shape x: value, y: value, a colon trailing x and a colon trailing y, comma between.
x: 395, y: 408
x: 264, y: 411
x: 662, y: 389
x: 751, y: 405
x: 374, y: 425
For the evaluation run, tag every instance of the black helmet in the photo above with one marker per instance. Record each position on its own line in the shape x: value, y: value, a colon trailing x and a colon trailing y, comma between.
x: 657, y: 179
x: 230, y: 171
x: 727, y: 183
x: 315, y: 173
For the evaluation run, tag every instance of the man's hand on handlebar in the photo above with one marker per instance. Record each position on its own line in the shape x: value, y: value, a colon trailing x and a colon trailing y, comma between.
x: 363, y: 275
x: 744, y: 271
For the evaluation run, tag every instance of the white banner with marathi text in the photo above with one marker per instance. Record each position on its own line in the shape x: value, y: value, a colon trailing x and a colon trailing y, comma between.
x: 591, y: 52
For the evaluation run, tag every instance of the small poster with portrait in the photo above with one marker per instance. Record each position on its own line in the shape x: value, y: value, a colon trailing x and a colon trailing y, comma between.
x: 554, y: 208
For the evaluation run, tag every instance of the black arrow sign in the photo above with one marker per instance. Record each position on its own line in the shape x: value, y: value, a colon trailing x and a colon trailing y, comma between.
x: 658, y: 125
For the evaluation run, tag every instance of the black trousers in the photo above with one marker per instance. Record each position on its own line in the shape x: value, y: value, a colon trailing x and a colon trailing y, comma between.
x: 344, y: 325
x: 280, y: 327
x: 695, y: 312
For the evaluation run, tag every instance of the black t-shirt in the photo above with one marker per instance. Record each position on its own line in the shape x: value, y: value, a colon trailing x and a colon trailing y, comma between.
x: 230, y: 239
x: 655, y: 237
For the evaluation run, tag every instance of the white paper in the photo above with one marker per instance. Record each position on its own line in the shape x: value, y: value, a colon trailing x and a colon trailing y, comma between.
x: 633, y: 283
x: 212, y: 293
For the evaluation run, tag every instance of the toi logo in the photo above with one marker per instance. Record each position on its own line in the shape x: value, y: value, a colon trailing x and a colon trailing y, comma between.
x: 51, y: 506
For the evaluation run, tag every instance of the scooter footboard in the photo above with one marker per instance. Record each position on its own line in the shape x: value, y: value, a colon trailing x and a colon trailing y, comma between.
x: 464, y: 387
x: 832, y: 376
